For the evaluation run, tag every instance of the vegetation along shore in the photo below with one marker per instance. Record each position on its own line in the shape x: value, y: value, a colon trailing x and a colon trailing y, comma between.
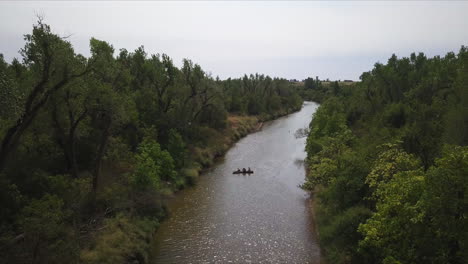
x: 388, y: 163
x: 91, y: 145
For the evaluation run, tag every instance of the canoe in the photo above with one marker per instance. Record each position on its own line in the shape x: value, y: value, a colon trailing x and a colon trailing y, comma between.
x: 241, y: 172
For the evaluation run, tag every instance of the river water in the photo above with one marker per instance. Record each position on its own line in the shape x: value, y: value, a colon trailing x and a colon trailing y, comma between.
x: 261, y: 218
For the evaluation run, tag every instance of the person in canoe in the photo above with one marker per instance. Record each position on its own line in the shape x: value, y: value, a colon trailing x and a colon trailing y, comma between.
x: 243, y: 171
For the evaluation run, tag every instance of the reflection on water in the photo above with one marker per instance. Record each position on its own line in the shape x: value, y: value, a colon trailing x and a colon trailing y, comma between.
x: 299, y: 162
x: 261, y: 218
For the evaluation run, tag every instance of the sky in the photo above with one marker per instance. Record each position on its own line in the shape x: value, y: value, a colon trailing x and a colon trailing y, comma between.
x: 297, y: 39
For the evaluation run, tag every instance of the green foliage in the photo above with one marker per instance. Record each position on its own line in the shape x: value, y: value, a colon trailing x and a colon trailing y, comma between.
x: 395, y: 115
x: 456, y: 117
x: 96, y: 124
x: 315, y: 91
x: 419, y: 215
x: 190, y: 174
x: 446, y: 205
x: 423, y: 135
x: 11, y: 199
x: 328, y: 120
x: 47, y: 240
x: 391, y: 230
x: 123, y: 240
x: 390, y: 161
x: 153, y: 165
x: 146, y: 173
x: 339, y: 236
x: 389, y: 187
x: 177, y: 148
x: 260, y: 95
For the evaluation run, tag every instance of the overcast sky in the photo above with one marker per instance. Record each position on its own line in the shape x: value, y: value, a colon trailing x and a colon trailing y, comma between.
x: 336, y: 40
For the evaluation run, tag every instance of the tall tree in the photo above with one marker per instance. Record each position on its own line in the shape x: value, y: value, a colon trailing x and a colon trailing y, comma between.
x: 52, y: 64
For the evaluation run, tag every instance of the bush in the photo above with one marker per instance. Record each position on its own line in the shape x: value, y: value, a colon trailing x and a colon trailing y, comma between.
x: 123, y: 240
x: 339, y: 236
x: 47, y: 239
x: 153, y: 166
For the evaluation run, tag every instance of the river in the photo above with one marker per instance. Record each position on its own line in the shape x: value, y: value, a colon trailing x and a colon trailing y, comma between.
x: 261, y: 218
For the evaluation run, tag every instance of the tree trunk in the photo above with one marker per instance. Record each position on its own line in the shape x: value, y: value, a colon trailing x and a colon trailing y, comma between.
x: 73, y: 163
x: 72, y: 143
x: 99, y: 155
x: 60, y: 136
x: 11, y: 139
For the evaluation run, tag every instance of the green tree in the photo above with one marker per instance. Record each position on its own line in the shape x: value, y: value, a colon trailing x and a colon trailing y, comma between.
x: 43, y: 223
x: 153, y: 166
x: 177, y: 148
x: 52, y: 64
x: 108, y: 109
x: 446, y: 206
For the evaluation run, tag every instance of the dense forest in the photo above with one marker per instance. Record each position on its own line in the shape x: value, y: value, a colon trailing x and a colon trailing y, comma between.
x: 388, y: 163
x: 90, y: 146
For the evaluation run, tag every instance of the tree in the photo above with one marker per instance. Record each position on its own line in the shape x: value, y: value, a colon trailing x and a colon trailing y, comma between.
x: 153, y: 166
x: 445, y: 205
x: 310, y: 83
x: 395, y: 231
x: 52, y: 64
x: 419, y: 215
x: 108, y: 110
x: 456, y: 118
x: 69, y: 109
x: 43, y: 225
x: 200, y: 94
x: 177, y: 148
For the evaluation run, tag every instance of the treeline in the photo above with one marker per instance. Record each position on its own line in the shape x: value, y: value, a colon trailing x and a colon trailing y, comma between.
x: 90, y: 145
x: 317, y: 91
x: 388, y: 163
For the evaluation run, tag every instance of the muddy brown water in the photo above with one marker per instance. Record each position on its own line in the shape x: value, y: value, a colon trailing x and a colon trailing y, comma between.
x: 259, y: 218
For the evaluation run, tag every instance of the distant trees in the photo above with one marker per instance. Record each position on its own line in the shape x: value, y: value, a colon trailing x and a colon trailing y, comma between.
x: 312, y: 84
x: 316, y: 91
x: 259, y: 94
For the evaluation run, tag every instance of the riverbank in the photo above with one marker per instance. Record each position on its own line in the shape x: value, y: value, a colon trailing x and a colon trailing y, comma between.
x: 313, y: 208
